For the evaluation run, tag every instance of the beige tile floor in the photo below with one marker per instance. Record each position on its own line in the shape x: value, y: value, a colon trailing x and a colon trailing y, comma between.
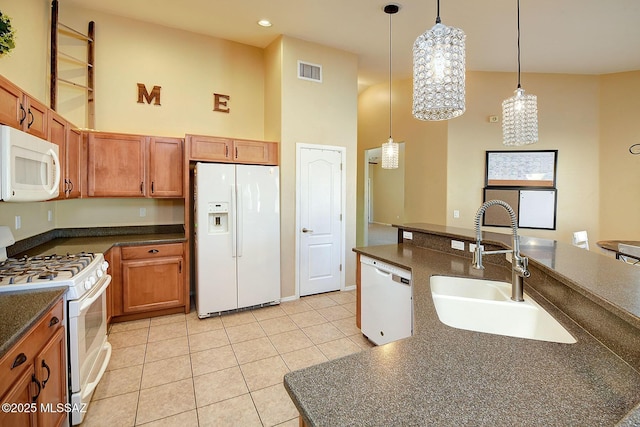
x: 183, y: 371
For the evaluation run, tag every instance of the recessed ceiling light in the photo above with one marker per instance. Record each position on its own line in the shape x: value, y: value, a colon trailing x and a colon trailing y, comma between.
x: 264, y: 23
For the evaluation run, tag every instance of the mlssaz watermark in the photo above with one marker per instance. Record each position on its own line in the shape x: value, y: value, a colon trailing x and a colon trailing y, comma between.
x: 43, y: 407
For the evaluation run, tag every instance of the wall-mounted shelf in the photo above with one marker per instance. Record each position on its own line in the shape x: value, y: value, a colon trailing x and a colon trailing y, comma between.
x: 85, y: 67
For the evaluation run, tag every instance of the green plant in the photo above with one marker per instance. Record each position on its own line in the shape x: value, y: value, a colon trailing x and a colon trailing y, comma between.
x: 6, y: 35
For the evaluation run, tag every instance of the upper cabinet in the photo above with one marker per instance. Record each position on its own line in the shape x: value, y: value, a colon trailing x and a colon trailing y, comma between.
x: 226, y: 150
x: 255, y: 152
x: 60, y: 132
x: 122, y: 165
x: 21, y: 111
x: 73, y: 150
x: 165, y: 167
x: 115, y: 165
x: 209, y: 148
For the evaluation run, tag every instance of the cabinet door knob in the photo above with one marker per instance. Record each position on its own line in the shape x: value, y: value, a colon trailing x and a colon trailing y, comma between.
x: 54, y: 321
x: 31, y: 119
x: 307, y: 230
x: 20, y: 359
x: 153, y: 251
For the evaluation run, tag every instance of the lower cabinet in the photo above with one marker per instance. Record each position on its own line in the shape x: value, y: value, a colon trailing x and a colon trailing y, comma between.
x: 150, y: 278
x: 33, y: 383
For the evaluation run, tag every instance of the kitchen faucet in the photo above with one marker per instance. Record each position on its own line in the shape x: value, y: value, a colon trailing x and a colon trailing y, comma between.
x: 519, y: 263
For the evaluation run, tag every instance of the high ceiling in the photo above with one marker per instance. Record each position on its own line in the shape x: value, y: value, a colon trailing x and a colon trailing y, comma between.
x: 557, y: 36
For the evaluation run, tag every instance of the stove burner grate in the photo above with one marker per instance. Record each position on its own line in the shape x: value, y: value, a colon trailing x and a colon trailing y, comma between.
x: 43, y: 267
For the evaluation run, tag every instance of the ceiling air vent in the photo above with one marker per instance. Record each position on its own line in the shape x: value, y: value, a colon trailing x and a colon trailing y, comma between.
x: 308, y: 71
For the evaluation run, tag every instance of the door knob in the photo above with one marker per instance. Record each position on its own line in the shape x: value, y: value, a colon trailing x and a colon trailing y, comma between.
x: 306, y: 230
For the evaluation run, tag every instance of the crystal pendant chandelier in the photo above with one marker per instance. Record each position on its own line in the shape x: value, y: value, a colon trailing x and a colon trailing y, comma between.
x: 520, y: 112
x: 390, y: 154
x: 439, y: 73
x: 390, y: 151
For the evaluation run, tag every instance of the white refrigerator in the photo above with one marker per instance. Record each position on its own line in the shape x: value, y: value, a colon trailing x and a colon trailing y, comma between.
x: 237, y: 236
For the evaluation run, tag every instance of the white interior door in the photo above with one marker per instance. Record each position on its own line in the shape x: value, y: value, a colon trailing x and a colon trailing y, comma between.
x: 320, y: 220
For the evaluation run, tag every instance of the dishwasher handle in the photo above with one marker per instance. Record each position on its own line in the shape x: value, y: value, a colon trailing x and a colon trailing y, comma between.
x: 382, y: 272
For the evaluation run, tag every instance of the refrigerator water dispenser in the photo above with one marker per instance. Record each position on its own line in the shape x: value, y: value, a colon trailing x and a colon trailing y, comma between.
x: 218, y: 217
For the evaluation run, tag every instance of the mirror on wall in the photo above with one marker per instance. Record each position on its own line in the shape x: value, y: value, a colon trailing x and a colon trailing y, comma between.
x: 383, y: 198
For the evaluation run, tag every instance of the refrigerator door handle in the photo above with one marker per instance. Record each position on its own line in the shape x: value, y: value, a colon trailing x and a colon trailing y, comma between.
x: 234, y: 224
x: 239, y: 207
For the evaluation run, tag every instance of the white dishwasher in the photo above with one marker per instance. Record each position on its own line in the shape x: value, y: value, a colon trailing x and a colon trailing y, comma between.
x: 386, y: 308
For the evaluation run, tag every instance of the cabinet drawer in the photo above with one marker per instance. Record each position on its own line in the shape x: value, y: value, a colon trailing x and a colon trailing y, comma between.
x: 151, y: 251
x: 24, y: 352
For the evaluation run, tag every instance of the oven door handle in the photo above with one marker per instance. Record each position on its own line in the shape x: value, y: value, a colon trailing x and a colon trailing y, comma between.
x: 86, y: 391
x: 86, y: 304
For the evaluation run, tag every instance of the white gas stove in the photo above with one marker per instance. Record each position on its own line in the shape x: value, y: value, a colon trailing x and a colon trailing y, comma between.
x: 85, y: 276
x: 80, y: 272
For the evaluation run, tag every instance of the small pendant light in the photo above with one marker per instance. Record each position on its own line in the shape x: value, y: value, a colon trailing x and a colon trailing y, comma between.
x: 390, y: 151
x: 439, y: 73
x: 520, y: 112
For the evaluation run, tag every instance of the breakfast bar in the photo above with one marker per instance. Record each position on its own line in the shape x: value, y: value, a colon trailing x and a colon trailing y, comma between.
x: 447, y: 376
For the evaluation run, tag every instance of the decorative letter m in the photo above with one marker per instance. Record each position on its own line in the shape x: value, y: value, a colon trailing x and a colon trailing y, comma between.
x: 154, y: 96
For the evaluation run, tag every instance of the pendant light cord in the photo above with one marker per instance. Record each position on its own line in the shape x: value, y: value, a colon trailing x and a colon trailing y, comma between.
x: 438, y: 12
x: 390, y: 109
x: 519, y: 87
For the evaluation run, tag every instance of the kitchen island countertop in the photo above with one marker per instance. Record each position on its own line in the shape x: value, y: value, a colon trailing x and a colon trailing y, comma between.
x: 447, y: 376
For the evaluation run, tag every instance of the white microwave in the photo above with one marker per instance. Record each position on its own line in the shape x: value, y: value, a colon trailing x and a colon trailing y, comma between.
x: 29, y: 167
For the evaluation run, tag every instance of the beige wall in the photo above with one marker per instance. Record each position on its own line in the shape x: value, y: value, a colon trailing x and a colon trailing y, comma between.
x: 425, y: 168
x: 267, y: 102
x: 314, y: 113
x: 619, y: 169
x: 568, y: 116
x: 445, y: 161
x: 189, y: 67
x: 118, y: 212
x: 28, y: 65
x: 387, y: 191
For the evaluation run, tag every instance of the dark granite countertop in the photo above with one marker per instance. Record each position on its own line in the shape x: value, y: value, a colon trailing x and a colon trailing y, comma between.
x: 100, y: 240
x: 448, y: 376
x: 101, y: 244
x: 19, y: 311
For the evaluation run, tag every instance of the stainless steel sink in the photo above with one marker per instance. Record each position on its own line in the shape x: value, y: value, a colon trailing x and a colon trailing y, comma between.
x: 486, y: 306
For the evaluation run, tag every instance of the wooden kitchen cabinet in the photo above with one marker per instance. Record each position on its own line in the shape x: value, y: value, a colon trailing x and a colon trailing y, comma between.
x: 68, y: 140
x: 123, y: 165
x: 165, y: 167
x: 50, y: 369
x: 115, y: 165
x: 226, y: 150
x: 209, y: 148
x: 34, y: 372
x: 20, y: 393
x: 21, y: 111
x: 151, y: 278
x: 73, y: 163
x: 255, y: 152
